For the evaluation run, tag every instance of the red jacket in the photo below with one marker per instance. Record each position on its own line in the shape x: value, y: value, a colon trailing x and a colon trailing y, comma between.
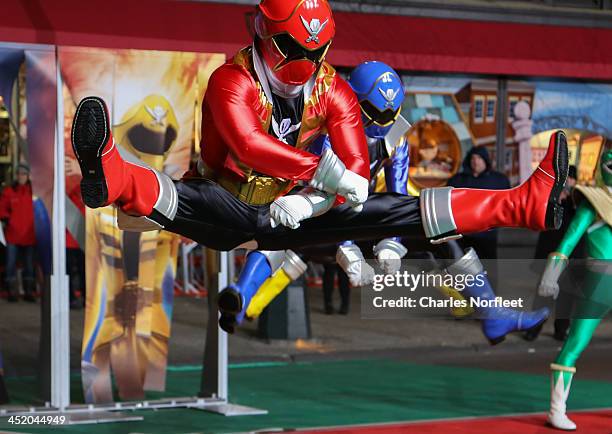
x: 236, y: 115
x: 16, y: 207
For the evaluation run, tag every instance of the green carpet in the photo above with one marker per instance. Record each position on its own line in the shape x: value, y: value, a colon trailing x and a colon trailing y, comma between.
x: 342, y: 393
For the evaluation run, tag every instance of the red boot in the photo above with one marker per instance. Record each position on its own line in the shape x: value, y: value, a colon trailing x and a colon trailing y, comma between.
x: 107, y: 178
x: 533, y: 205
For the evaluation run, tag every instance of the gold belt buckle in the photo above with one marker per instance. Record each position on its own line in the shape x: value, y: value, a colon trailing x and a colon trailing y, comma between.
x: 259, y: 190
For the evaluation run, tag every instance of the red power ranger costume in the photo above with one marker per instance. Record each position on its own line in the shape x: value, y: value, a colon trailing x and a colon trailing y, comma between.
x: 259, y: 112
x: 236, y: 142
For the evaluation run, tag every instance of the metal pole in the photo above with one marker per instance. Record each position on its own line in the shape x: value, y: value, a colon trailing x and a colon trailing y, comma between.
x: 231, y: 266
x: 215, y: 370
x: 209, y: 386
x: 502, y: 122
x: 60, y: 313
x: 214, y: 374
x: 185, y: 271
x: 224, y: 281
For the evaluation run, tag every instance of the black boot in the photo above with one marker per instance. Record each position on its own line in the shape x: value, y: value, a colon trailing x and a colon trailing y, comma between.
x: 344, y: 309
x: 532, y: 334
x: 561, y: 329
x: 345, y: 293
x: 11, y: 286
x: 29, y: 287
x: 329, y: 275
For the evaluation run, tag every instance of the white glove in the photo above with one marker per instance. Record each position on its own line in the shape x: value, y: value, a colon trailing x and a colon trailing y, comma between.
x: 354, y: 188
x: 333, y: 177
x: 292, y: 209
x: 389, y: 254
x: 549, y: 284
x: 548, y: 288
x: 289, y: 211
x: 351, y: 260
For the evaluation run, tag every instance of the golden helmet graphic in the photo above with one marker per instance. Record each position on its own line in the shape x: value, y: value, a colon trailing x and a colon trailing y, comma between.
x: 148, y: 130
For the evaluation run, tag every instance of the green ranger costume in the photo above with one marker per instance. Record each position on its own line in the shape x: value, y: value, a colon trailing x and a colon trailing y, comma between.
x: 593, y: 219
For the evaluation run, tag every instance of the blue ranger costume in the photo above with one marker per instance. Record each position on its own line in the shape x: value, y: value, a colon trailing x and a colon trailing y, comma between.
x: 380, y: 93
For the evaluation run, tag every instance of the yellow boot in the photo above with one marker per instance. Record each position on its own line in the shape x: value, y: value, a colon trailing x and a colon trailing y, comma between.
x: 457, y: 312
x: 292, y: 268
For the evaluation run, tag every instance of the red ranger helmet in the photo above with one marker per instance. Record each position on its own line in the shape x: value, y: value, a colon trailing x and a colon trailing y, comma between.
x: 293, y: 37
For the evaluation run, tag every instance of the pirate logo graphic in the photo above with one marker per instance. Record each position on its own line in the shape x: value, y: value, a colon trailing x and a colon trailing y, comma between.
x: 314, y: 28
x: 283, y: 129
x: 389, y: 95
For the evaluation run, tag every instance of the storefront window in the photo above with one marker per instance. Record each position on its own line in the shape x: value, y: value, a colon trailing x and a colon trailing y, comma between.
x: 478, y: 109
x: 512, y: 103
x: 491, y: 104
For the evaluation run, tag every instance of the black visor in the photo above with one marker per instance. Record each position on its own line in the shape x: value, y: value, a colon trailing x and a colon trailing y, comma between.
x: 151, y: 142
x: 294, y: 51
x: 377, y: 117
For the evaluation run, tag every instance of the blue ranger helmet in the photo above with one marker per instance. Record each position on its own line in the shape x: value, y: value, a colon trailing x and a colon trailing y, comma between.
x: 380, y: 93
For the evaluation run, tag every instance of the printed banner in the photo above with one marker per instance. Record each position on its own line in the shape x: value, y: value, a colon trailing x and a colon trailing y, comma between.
x: 41, y: 93
x: 11, y: 60
x: 579, y: 106
x: 130, y: 276
x: 161, y: 311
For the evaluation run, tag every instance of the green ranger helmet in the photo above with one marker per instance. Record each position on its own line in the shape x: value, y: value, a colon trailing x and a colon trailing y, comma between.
x: 606, y: 167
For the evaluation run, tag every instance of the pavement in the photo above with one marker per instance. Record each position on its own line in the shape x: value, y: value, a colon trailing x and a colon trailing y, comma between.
x: 444, y: 341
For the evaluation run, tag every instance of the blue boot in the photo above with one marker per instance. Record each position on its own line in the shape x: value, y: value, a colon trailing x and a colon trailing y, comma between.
x: 496, y: 322
x: 234, y: 300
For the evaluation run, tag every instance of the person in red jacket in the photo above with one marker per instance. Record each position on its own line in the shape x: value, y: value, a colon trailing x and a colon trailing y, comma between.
x: 17, y: 215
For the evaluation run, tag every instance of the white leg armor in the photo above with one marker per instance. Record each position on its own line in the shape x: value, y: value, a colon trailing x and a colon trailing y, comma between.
x: 559, y: 391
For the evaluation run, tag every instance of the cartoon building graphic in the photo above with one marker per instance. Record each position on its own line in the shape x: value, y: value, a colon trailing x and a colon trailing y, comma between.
x: 440, y: 134
x: 443, y: 106
x: 479, y: 101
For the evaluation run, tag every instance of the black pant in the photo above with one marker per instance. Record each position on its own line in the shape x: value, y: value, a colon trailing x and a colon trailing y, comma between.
x: 26, y: 255
x: 329, y: 277
x: 75, y: 268
x: 210, y: 215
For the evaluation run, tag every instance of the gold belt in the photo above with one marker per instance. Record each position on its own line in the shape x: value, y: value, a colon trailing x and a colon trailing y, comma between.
x: 257, y: 190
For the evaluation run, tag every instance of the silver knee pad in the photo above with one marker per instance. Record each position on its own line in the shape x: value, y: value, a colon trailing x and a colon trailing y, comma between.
x: 293, y: 265
x: 468, y: 264
x: 275, y: 258
x: 437, y: 214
